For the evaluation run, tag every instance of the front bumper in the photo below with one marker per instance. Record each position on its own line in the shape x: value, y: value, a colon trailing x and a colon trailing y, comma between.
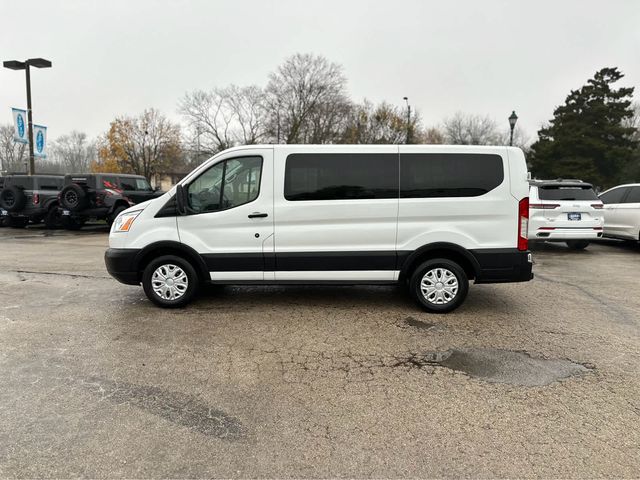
x: 502, y: 265
x: 122, y: 264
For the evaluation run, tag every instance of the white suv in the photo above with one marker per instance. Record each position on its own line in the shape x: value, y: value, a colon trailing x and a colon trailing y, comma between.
x: 622, y: 212
x: 564, y: 211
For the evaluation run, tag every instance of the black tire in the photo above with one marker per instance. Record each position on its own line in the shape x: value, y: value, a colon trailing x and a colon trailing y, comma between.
x: 3, y: 221
x: 12, y: 199
x: 74, y: 198
x: 577, y: 244
x: 181, y: 263
x: 71, y: 223
x: 112, y: 217
x: 17, y: 222
x: 53, y: 218
x: 449, y: 304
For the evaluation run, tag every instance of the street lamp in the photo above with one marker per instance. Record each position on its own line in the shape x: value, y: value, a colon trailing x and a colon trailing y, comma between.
x: 513, y: 118
x: 16, y: 65
x: 406, y: 99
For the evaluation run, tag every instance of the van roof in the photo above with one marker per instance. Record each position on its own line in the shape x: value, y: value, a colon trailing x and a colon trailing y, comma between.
x: 436, y: 148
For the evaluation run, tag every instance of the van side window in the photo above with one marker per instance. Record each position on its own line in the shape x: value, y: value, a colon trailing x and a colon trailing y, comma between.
x: 340, y: 176
x: 613, y: 196
x: 429, y: 175
x: 225, y: 185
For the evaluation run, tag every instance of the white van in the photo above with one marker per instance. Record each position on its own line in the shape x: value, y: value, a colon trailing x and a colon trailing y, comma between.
x: 432, y: 216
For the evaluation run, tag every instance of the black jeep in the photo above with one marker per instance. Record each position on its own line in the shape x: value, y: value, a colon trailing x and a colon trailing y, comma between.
x: 135, y: 187
x: 101, y: 196
x: 34, y: 198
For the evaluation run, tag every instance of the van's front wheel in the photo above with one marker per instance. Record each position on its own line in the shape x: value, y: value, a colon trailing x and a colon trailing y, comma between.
x: 439, y: 285
x: 170, y: 281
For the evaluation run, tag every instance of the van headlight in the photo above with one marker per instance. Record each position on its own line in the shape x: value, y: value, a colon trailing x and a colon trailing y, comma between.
x: 124, y: 221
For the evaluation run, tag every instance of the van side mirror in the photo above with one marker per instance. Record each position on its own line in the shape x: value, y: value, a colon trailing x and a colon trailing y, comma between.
x: 181, y: 200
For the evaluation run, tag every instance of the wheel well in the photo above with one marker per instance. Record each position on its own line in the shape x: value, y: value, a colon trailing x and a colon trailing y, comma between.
x: 119, y: 203
x: 456, y: 256
x: 192, y: 257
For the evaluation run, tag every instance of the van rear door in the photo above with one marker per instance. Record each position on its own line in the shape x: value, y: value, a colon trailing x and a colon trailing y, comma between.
x: 336, y: 210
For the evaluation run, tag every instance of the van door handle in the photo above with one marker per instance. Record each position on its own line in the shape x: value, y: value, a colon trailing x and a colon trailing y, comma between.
x: 258, y: 215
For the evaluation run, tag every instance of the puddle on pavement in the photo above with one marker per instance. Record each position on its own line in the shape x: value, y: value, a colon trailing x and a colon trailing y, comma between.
x: 502, y: 366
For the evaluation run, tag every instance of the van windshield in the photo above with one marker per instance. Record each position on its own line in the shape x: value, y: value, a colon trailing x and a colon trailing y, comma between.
x: 567, y: 193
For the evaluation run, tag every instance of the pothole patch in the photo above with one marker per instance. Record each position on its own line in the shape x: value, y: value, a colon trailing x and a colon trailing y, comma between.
x: 415, y: 323
x: 503, y: 366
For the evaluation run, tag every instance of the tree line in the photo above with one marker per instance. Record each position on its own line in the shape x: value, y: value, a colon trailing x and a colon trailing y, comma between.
x: 593, y: 136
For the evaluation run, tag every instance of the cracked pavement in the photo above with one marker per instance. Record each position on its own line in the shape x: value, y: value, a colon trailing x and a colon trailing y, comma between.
x: 314, y: 381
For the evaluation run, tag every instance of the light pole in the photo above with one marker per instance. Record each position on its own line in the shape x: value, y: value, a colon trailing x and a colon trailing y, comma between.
x: 17, y: 65
x: 406, y: 99
x: 513, y: 118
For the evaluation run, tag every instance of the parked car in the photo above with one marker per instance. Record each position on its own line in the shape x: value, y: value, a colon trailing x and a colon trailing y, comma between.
x: 431, y: 216
x: 564, y: 211
x: 622, y: 212
x: 34, y: 198
x: 91, y: 196
x: 135, y: 187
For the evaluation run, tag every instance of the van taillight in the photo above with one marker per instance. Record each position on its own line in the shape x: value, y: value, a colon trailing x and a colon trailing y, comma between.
x: 36, y: 199
x: 523, y: 224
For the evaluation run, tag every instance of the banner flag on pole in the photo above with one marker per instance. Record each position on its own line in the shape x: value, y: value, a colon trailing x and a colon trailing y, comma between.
x: 21, y: 133
x: 39, y: 141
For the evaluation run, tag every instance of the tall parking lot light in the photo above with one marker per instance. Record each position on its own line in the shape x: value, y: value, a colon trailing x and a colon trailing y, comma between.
x: 406, y: 99
x: 17, y: 65
x: 513, y: 118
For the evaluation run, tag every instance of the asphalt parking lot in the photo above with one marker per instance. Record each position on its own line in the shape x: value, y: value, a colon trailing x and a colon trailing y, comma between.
x: 535, y: 379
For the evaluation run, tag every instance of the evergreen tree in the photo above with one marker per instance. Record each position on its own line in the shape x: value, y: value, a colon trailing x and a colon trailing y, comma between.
x: 588, y: 137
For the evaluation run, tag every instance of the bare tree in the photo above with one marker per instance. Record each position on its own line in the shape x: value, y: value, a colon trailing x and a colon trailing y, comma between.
x: 145, y: 145
x: 248, y: 107
x: 383, y: 123
x: 73, y: 152
x: 432, y: 135
x: 223, y: 117
x: 306, y: 100
x: 464, y: 129
x: 13, y: 155
x: 207, y: 116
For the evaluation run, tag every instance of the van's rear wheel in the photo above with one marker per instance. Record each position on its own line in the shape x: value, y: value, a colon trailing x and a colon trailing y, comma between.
x: 439, y: 285
x: 170, y: 281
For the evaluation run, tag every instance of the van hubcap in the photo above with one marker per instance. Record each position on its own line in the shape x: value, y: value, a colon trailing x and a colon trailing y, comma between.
x: 169, y: 282
x: 439, y: 286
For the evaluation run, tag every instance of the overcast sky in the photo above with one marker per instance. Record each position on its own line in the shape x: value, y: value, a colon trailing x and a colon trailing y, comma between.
x: 115, y: 57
